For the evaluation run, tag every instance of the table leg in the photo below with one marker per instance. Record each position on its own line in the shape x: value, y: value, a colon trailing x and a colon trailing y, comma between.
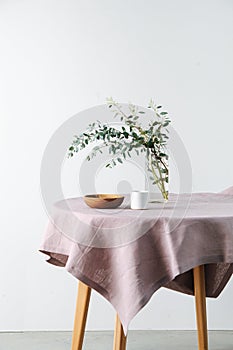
x: 200, y: 300
x: 119, y: 337
x: 83, y: 298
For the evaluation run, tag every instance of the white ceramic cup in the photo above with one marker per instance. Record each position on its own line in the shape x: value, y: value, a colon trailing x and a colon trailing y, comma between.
x: 139, y: 199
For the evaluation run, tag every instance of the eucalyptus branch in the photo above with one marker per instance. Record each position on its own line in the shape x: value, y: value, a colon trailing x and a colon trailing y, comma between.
x: 111, y: 103
x: 130, y: 137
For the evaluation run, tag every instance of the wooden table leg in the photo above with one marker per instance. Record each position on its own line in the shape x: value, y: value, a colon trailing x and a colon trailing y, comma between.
x: 119, y: 337
x: 200, y: 299
x: 83, y: 298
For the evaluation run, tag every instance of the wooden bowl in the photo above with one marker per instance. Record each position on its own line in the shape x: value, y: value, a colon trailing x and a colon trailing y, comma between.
x: 103, y: 201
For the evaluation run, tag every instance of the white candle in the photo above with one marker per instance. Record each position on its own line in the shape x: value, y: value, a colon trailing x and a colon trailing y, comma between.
x: 139, y: 199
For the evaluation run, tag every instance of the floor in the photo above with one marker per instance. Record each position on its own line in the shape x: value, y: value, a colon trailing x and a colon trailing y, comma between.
x: 137, y: 340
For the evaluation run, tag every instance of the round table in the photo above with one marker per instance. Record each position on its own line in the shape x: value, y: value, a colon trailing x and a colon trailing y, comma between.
x: 126, y: 255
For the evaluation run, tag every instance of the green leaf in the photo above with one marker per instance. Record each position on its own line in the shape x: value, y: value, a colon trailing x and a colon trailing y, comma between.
x: 71, y: 148
x: 119, y: 160
x: 141, y: 112
x: 163, y: 113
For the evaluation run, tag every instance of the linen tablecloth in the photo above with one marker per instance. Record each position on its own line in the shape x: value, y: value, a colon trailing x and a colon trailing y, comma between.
x: 126, y: 255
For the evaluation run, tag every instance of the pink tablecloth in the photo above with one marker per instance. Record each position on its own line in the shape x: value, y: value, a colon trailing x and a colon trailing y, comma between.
x: 127, y: 255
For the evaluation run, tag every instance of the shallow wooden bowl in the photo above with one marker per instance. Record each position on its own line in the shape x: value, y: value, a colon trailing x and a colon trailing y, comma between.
x: 103, y: 201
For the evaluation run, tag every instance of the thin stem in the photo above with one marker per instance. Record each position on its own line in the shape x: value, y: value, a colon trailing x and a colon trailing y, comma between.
x: 160, y: 159
x: 164, y: 192
x: 159, y: 179
x: 154, y: 174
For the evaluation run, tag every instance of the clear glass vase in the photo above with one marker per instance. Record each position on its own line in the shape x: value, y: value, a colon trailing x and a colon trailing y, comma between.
x: 157, y: 177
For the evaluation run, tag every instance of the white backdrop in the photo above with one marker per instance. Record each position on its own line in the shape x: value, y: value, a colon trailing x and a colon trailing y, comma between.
x: 59, y: 57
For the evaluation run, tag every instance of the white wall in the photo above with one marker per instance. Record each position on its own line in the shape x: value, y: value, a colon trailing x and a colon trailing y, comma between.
x: 59, y: 57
